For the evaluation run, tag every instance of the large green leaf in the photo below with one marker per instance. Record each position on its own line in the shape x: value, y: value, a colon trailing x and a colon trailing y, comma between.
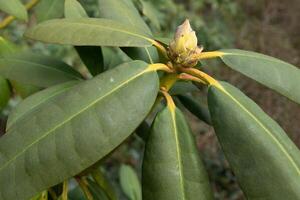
x: 130, y: 183
x: 35, y: 69
x: 264, y: 159
x: 271, y: 72
x: 4, y: 92
x: 172, y: 168
x: 147, y: 54
x: 89, y: 32
x: 49, y: 9
x: 74, y: 130
x: 33, y: 102
x: 15, y: 8
x: 91, y: 56
x: 151, y: 13
x: 123, y: 11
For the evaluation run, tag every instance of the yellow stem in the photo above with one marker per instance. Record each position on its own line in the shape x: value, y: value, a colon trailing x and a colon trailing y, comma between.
x: 170, y: 102
x: 203, y: 76
x: 84, y: 186
x: 208, y: 55
x: 188, y: 77
x: 159, y: 66
x: 6, y: 21
x: 161, y: 48
x: 64, y: 195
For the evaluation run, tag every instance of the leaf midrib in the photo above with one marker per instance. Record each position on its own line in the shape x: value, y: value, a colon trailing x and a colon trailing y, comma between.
x: 73, y: 116
x: 178, y: 152
x: 265, y: 128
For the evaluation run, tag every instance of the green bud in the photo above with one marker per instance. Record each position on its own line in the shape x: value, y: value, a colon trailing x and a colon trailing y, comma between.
x: 184, y: 45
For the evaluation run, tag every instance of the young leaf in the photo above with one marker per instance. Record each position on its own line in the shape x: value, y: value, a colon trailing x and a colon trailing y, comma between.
x: 33, y: 102
x: 264, y: 159
x: 49, y: 9
x: 172, y: 168
x: 35, y: 69
x: 4, y: 92
x: 15, y: 8
x: 123, y: 11
x: 89, y: 32
x: 73, y: 9
x: 74, y: 130
x: 130, y: 183
x: 271, y: 72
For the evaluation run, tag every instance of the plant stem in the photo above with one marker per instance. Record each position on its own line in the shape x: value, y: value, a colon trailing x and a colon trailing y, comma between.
x: 64, y: 195
x: 84, y: 186
x: 161, y: 49
x: 6, y: 21
x: 208, y: 55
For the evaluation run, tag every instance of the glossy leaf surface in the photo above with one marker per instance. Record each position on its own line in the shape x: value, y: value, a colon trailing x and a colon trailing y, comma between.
x: 89, y: 32
x: 264, y: 159
x: 172, y: 168
x: 34, y: 101
x: 49, y: 9
x: 74, y: 130
x: 15, y: 8
x: 35, y: 69
x: 271, y: 72
x: 130, y: 183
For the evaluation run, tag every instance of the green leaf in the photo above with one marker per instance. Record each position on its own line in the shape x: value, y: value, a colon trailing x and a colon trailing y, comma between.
x: 4, y: 92
x: 49, y: 9
x: 271, y: 72
x: 111, y: 57
x: 172, y: 168
x: 151, y: 13
x: 89, y: 32
x: 6, y: 47
x: 24, y: 90
x: 41, y: 196
x: 181, y: 88
x: 130, y: 183
x: 73, y: 9
x: 74, y: 130
x: 91, y: 56
x: 123, y: 11
x: 33, y: 102
x: 147, y: 54
x: 196, y: 108
x: 35, y: 69
x: 15, y: 8
x: 264, y: 159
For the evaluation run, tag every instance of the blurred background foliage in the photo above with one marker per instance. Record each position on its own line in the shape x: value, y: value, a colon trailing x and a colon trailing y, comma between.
x: 268, y: 26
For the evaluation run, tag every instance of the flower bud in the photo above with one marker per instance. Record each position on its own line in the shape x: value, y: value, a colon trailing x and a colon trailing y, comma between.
x: 184, y: 45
